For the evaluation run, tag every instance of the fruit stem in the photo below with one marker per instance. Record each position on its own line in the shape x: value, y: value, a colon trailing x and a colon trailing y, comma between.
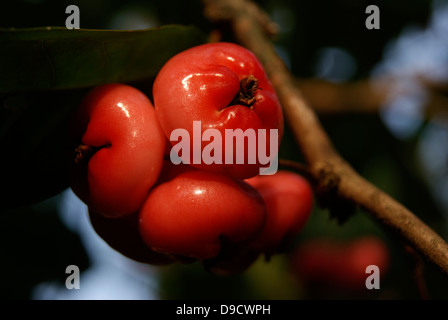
x: 83, y: 152
x: 246, y: 95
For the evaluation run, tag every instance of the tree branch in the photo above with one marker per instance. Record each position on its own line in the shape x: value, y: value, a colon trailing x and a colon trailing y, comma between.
x: 326, y: 97
x: 326, y: 166
x: 364, y: 96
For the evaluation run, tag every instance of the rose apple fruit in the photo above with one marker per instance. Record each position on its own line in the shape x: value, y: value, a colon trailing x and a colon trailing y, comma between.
x: 338, y: 264
x: 196, y: 212
x: 224, y: 87
x: 289, y: 202
x: 120, y: 149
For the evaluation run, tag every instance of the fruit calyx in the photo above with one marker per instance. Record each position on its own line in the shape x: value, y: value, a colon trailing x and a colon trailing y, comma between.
x: 84, y: 152
x: 246, y: 94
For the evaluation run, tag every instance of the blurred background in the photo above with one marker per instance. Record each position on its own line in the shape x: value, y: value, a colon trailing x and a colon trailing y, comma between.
x: 382, y: 96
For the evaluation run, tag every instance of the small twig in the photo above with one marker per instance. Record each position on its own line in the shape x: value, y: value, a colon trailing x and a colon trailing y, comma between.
x: 296, y: 166
x: 418, y: 272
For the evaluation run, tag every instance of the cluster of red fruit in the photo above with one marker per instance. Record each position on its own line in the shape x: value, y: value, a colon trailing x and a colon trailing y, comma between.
x: 153, y: 211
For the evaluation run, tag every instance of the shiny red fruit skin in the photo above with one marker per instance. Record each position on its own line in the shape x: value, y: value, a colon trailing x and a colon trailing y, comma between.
x: 196, y: 212
x: 289, y: 203
x: 198, y: 84
x: 119, y: 122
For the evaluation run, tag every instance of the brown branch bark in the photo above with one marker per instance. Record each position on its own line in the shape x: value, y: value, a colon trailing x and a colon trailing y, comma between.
x: 326, y: 97
x: 327, y: 167
x: 363, y: 96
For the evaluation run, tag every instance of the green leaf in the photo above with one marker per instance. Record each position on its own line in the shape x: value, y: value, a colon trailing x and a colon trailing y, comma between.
x: 58, y: 58
x: 44, y: 74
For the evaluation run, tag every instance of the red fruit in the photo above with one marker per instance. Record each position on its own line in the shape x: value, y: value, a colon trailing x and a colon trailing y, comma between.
x: 120, y: 153
x: 289, y: 203
x: 122, y: 235
x: 196, y: 212
x: 224, y: 86
x: 362, y: 253
x: 340, y: 265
